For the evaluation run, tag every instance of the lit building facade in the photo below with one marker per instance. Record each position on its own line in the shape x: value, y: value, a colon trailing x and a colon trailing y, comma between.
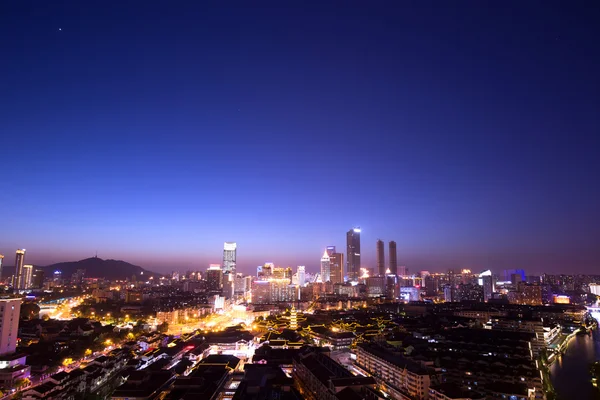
x: 325, y: 268
x: 9, y: 325
x: 214, y: 278
x: 375, y: 286
x: 336, y: 262
x: 487, y: 281
x: 353, y: 254
x: 261, y: 292
x: 1, y: 260
x: 409, y: 293
x: 274, y: 290
x: 400, y: 377
x: 229, y: 257
x: 301, y: 275
x: 19, y: 262
x: 27, y: 276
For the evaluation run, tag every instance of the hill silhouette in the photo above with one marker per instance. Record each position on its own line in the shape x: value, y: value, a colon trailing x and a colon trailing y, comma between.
x: 98, y: 268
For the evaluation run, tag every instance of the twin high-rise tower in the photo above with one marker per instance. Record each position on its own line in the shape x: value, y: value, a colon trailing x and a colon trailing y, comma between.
x: 393, y: 260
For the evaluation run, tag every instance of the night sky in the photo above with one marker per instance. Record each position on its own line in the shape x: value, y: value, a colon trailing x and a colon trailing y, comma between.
x: 153, y: 131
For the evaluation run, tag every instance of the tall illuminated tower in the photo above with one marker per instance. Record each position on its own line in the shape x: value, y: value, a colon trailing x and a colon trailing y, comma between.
x: 27, y: 276
x: 1, y: 259
x: 380, y: 258
x: 19, y: 262
x: 301, y: 275
x: 353, y: 253
x: 229, y: 257
x: 393, y: 259
x: 325, y: 268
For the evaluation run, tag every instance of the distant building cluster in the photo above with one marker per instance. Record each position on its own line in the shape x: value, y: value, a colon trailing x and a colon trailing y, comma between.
x: 346, y: 331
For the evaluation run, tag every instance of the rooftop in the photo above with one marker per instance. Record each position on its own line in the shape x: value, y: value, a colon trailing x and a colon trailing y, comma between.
x: 453, y: 391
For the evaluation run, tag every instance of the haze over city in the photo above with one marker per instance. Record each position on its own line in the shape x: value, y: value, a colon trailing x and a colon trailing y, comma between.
x: 466, y: 133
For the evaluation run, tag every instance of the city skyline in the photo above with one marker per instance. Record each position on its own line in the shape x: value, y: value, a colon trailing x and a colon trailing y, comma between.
x: 414, y: 264
x: 156, y: 140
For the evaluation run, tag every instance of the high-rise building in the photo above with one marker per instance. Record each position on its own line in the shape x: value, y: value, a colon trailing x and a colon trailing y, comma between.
x: 488, y: 287
x: 301, y: 275
x: 37, y: 281
x: 19, y: 262
x: 261, y: 292
x: 228, y: 285
x: 9, y: 325
x: 214, y: 278
x: 353, y: 254
x: 325, y: 268
x: 393, y: 258
x: 240, y: 284
x: 229, y: 257
x: 1, y: 259
x: 330, y: 250
x: 27, y: 276
x: 375, y: 286
x: 273, y: 290
x: 336, y: 262
x: 380, y: 256
x: 282, y: 291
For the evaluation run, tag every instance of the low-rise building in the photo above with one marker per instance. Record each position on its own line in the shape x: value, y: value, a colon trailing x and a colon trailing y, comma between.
x: 401, y: 377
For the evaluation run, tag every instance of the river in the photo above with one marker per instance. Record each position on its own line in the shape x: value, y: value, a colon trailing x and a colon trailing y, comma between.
x: 569, y: 373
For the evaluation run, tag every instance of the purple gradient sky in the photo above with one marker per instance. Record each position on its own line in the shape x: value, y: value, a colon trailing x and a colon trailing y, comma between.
x: 153, y: 132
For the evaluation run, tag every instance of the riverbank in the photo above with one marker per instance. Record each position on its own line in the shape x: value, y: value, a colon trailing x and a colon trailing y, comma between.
x: 569, y: 368
x: 561, y: 347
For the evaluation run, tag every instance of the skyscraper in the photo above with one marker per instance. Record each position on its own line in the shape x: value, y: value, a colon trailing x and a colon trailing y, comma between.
x: 38, y: 278
x: 1, y: 259
x: 325, y: 267
x: 393, y: 259
x: 336, y: 262
x: 9, y: 325
x: 353, y: 253
x: 380, y: 258
x: 27, y: 276
x: 229, y: 257
x: 488, y: 287
x: 301, y: 275
x: 214, y: 278
x: 19, y: 262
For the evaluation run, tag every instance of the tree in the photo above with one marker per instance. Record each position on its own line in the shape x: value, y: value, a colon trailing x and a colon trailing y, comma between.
x: 29, y: 311
x: 22, y: 383
x: 163, y: 328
